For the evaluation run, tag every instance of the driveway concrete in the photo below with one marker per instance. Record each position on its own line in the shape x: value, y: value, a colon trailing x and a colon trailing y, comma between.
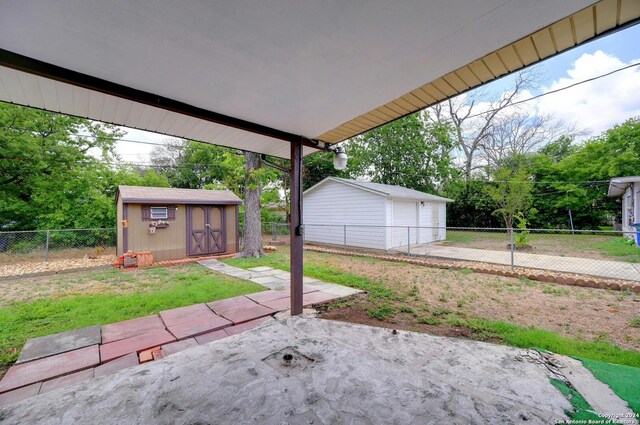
x: 586, y: 266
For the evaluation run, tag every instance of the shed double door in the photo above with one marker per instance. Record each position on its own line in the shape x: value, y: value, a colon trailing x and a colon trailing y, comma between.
x: 206, y: 230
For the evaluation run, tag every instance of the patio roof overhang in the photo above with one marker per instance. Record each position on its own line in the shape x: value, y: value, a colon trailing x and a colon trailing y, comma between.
x: 252, y: 75
x: 281, y: 78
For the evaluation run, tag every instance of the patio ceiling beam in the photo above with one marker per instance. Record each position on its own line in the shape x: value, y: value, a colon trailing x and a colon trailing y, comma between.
x: 39, y: 68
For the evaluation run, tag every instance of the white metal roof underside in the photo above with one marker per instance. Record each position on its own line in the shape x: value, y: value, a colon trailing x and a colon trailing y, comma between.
x: 303, y: 67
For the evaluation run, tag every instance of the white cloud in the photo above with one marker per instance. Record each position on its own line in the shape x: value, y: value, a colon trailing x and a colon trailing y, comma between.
x: 597, y: 105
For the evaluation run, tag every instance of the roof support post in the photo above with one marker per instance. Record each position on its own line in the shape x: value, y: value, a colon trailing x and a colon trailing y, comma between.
x: 297, y: 241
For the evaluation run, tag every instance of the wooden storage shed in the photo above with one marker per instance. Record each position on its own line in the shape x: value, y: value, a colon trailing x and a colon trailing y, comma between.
x: 177, y: 223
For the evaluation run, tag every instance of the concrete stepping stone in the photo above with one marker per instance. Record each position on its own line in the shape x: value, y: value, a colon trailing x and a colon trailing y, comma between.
x: 242, y: 315
x: 198, y: 326
x: 65, y: 381
x: 185, y: 314
x: 260, y: 269
x: 233, y: 330
x: 211, y: 336
x: 130, y: 328
x: 50, y: 367
x: 176, y: 347
x: 45, y: 346
x: 317, y: 298
x: 134, y: 344
x: 219, y: 307
x: 19, y: 394
x: 340, y: 291
x: 123, y: 362
x: 269, y: 280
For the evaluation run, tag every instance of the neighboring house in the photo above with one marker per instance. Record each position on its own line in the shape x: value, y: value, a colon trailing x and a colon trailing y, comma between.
x: 629, y: 189
x: 372, y: 215
x: 176, y: 223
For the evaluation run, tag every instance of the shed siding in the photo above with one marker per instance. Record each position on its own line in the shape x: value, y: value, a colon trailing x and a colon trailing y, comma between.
x: 331, y: 206
x: 231, y: 229
x: 404, y: 222
x: 166, y: 244
x: 119, y: 231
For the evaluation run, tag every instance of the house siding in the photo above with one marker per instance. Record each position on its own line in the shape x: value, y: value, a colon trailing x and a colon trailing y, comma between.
x: 331, y: 206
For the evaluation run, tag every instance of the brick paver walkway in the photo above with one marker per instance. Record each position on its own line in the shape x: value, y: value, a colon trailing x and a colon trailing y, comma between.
x: 63, y: 359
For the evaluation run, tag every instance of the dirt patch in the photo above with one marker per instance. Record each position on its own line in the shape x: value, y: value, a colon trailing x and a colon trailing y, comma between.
x: 356, y: 312
x: 586, y: 313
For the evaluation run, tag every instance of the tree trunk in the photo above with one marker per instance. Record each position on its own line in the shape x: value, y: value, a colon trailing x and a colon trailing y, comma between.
x: 252, y: 238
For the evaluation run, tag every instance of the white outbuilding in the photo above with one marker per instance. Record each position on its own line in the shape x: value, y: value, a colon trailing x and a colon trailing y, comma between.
x: 372, y: 215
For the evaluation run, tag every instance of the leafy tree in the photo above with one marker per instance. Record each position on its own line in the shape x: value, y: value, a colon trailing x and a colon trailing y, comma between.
x: 50, y: 177
x: 408, y: 152
x: 512, y: 190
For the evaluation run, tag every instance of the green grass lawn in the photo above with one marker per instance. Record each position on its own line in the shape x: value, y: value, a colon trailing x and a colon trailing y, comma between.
x: 159, y: 289
x: 383, y: 296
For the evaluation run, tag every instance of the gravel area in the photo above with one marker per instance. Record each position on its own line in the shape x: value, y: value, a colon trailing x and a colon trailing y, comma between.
x: 54, y: 265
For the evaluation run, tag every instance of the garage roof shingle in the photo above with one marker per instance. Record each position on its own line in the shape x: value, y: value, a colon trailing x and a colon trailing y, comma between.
x: 140, y: 194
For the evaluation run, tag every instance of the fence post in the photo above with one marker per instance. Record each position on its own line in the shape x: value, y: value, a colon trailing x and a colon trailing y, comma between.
x: 409, y: 241
x: 345, y: 236
x: 273, y: 232
x: 46, y: 247
x: 512, y: 246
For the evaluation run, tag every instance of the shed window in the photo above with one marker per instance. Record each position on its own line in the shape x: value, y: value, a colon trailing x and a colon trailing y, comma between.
x: 158, y: 213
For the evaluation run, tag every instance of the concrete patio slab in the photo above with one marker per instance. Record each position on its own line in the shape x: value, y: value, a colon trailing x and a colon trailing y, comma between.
x: 200, y: 325
x: 242, y: 315
x: 134, y: 344
x: 341, y: 373
x: 176, y: 347
x: 65, y: 381
x: 129, y: 328
x: 49, y: 345
x: 50, y: 367
x: 185, y: 314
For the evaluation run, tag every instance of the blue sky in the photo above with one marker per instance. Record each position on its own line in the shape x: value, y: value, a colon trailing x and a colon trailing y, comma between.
x: 593, y: 107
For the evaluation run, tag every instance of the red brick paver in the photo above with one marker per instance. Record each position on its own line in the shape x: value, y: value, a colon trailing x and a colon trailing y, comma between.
x: 233, y: 330
x: 135, y: 344
x: 66, y: 380
x: 50, y: 367
x: 242, y: 315
x: 185, y: 314
x: 124, y: 362
x: 220, y: 307
x: 211, y: 336
x: 19, y: 394
x: 202, y: 324
x: 176, y: 347
x: 129, y: 328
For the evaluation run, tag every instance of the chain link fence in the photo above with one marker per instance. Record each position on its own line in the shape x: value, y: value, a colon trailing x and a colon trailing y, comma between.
x: 603, y: 253
x: 48, y: 245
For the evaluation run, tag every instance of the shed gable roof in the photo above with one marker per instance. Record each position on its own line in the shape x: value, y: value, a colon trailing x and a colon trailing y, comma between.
x: 141, y: 194
x: 383, y: 190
